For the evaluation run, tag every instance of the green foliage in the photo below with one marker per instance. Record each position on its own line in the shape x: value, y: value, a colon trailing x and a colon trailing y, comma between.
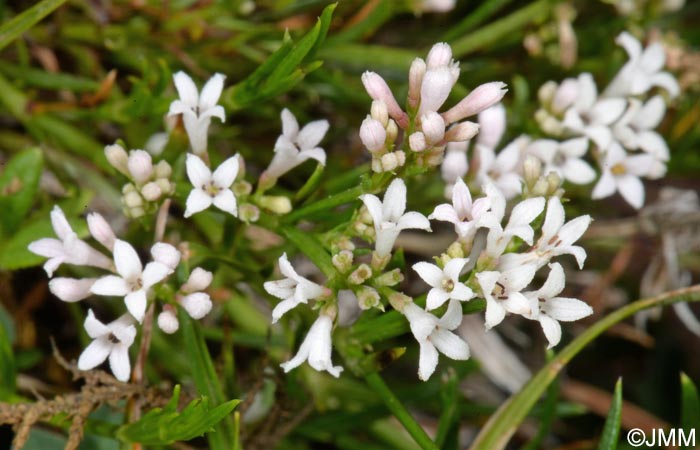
x: 162, y: 426
x: 19, y: 182
x: 7, y: 362
x: 611, y: 431
x: 18, y: 25
x: 690, y: 405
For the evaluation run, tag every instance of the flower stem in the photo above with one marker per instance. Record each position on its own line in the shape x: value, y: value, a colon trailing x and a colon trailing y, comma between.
x: 375, y: 381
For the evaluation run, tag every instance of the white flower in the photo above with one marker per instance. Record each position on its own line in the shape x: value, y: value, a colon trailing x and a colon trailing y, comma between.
x: 71, y: 289
x: 293, y: 290
x: 316, y: 348
x: 112, y: 340
x: 564, y: 158
x: 557, y: 239
x: 590, y: 116
x: 444, y: 282
x: 501, y: 290
x: 621, y: 173
x: 492, y: 125
x: 518, y: 225
x: 465, y: 215
x: 435, y: 335
x: 167, y: 320
x: 642, y: 71
x: 133, y: 281
x: 68, y: 248
x: 198, y: 109
x: 441, y: 75
x: 295, y: 146
x: 211, y: 187
x: 549, y: 309
x: 502, y: 169
x: 389, y: 218
x: 455, y: 165
x: 635, y: 129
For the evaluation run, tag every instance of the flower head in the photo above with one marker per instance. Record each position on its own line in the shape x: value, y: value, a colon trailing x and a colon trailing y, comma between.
x: 502, y: 292
x: 196, y: 108
x: 293, y: 290
x: 389, y: 217
x: 435, y: 335
x: 68, y: 248
x: 211, y: 188
x: 112, y: 340
x: 444, y: 282
x: 465, y: 215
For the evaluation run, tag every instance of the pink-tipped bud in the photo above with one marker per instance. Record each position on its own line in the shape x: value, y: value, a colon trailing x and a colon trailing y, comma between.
x: 380, y: 112
x: 435, y: 88
x: 167, y: 321
x: 493, y: 124
x: 415, y: 79
x: 117, y: 157
x: 484, y: 96
x: 140, y: 166
x: 101, y: 231
x: 440, y: 55
x: 377, y: 88
x: 565, y: 95
x: 199, y: 280
x: 433, y: 127
x: 165, y: 254
x: 455, y: 164
x: 417, y: 141
x: 462, y: 132
x: 197, y: 304
x: 372, y: 134
x: 71, y: 289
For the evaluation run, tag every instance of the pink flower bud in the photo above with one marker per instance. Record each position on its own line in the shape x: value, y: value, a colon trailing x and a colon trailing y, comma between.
x: 435, y: 88
x: 372, y: 134
x: 440, y: 55
x: 377, y: 88
x: 165, y: 254
x: 117, y: 157
x: 197, y: 304
x: 167, y: 321
x: 479, y: 99
x: 140, y: 166
x: 415, y: 79
x: 493, y: 124
x: 461, y: 132
x: 417, y: 142
x: 455, y: 164
x: 433, y: 127
x: 199, y: 280
x: 71, y: 289
x: 101, y: 231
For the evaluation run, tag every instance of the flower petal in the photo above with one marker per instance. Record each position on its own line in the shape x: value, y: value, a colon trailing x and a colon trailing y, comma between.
x: 186, y: 89
x: 436, y: 298
x: 430, y: 273
x: 632, y: 190
x: 47, y: 247
x: 226, y: 201
x: 136, y: 304
x: 567, y: 309
x: 578, y: 171
x: 94, y: 327
x: 413, y: 221
x: 461, y: 292
x: 197, y: 201
x: 427, y: 361
x: 211, y: 92
x: 553, y: 220
x: 374, y: 207
x: 119, y: 362
x: 312, y: 134
x: 226, y: 173
x: 605, y: 187
x: 394, y: 203
x: 551, y: 328
x: 110, y: 285
x: 154, y: 272
x: 450, y: 345
x: 198, y: 172
x: 290, y: 126
x: 555, y: 282
x: 127, y: 260
x: 60, y: 224
x: 94, y: 354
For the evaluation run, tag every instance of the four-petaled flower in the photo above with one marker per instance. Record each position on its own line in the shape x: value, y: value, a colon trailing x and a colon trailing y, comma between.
x: 502, y: 292
x: 211, y: 187
x: 465, y: 215
x: 389, y: 218
x: 112, y: 340
x: 435, y: 335
x: 444, y: 282
x: 549, y: 309
x: 196, y: 108
x: 316, y: 348
x: 293, y: 290
x: 295, y: 146
x: 68, y: 248
x: 564, y: 158
x: 133, y: 281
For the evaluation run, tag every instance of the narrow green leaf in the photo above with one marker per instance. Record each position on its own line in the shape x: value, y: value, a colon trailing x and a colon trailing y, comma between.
x: 21, y: 23
x: 611, y: 431
x: 19, y: 182
x: 476, y: 17
x: 690, y: 405
x: 163, y: 426
x: 48, y: 80
x: 7, y: 364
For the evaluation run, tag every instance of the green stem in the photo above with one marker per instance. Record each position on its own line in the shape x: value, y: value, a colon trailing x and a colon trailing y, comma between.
x: 503, y: 424
x: 375, y: 381
x: 327, y: 203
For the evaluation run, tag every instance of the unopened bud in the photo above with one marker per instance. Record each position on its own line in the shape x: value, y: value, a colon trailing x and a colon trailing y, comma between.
x: 167, y: 321
x: 162, y: 169
x: 553, y: 182
x: 415, y: 79
x: 276, y: 203
x: 197, y: 304
x: 377, y: 165
x: 199, y: 280
x: 132, y: 199
x: 345, y: 243
x: 433, y: 127
x: 379, y: 112
x: 165, y: 254
x: 390, y: 162
x: 140, y: 166
x: 71, y: 289
x: 455, y: 250
x: 540, y: 188
x: 439, y: 55
x: 360, y: 275
x: 546, y: 93
x: 136, y: 212
x: 342, y: 260
x: 242, y: 188
x: 377, y: 88
x: 117, y: 158
x: 368, y: 298
x: 101, y: 231
x: 399, y: 300
x: 390, y: 278
x: 248, y: 213
x: 484, y: 96
x: 462, y: 132
x: 372, y: 134
x: 392, y: 132
x: 565, y: 95
x: 416, y: 142
x: 532, y: 169
x: 151, y: 191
